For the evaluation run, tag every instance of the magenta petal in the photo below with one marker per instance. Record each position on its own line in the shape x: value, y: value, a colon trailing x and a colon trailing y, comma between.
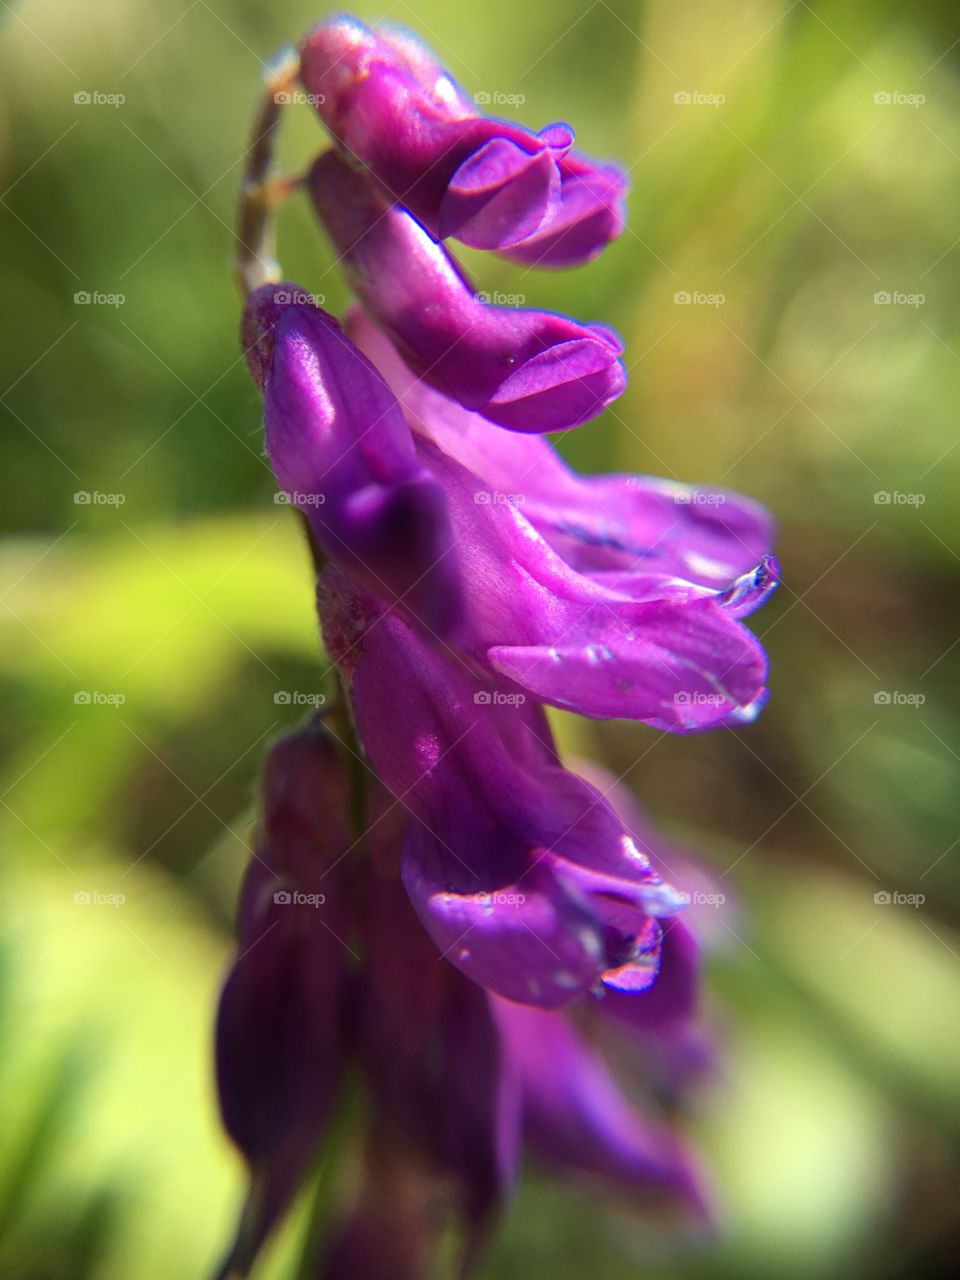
x: 678, y: 668
x: 490, y: 182
x: 501, y: 193
x: 523, y: 369
x: 590, y: 214
x: 576, y: 1118
x: 527, y: 941
x: 621, y: 525
x: 342, y: 452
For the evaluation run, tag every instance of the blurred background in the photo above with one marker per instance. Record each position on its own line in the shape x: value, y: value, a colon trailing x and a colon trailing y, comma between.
x: 788, y: 291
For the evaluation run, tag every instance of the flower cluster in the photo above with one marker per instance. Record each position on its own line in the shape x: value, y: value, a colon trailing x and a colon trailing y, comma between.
x: 504, y: 912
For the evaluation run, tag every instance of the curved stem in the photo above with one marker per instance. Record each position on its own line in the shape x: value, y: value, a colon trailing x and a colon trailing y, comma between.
x: 260, y: 192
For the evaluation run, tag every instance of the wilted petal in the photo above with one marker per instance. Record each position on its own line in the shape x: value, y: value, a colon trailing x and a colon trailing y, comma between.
x: 523, y: 369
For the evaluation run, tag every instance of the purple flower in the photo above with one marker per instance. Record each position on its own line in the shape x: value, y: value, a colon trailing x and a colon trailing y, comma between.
x: 708, y: 537
x: 521, y: 873
x: 526, y: 370
x: 343, y: 454
x: 654, y: 634
x: 458, y: 1081
x: 450, y: 912
x: 488, y: 182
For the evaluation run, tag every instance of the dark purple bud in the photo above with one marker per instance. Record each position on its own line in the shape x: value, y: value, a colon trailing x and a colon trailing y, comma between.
x: 281, y: 1020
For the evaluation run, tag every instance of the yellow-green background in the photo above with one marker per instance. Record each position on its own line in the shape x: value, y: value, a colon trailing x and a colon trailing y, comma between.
x: 832, y: 1130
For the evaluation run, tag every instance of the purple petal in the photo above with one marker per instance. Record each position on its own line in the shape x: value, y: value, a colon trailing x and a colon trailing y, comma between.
x: 519, y: 870
x: 576, y: 1118
x: 428, y: 1044
x: 679, y: 665
x: 501, y: 193
x: 591, y: 213
x: 619, y: 524
x: 342, y: 452
x: 526, y: 370
x: 492, y: 183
